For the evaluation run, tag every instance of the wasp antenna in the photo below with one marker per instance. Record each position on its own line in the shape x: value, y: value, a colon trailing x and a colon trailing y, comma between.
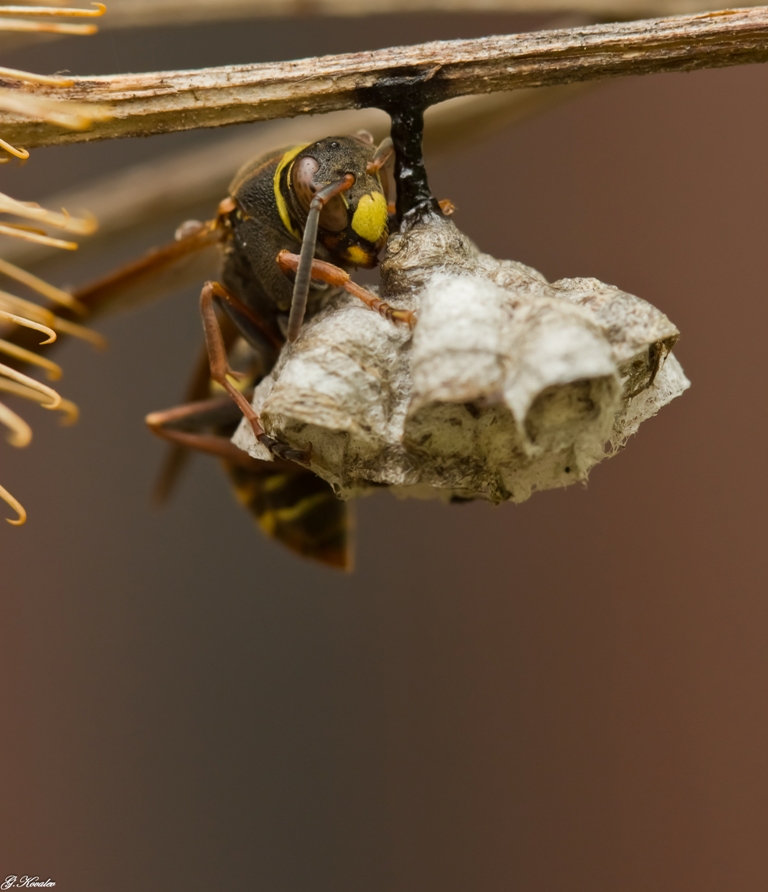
x: 380, y: 157
x: 307, y: 255
x: 303, y: 274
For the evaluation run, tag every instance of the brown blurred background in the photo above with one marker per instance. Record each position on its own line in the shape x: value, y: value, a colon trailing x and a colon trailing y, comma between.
x: 564, y: 695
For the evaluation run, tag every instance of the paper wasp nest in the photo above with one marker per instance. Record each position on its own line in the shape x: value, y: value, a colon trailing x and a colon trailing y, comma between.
x: 507, y: 384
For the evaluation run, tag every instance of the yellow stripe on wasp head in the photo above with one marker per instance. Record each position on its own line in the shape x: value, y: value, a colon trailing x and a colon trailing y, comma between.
x: 282, y: 207
x: 370, y: 219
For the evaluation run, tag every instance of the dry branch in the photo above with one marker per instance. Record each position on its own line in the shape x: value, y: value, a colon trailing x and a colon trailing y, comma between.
x: 162, y: 102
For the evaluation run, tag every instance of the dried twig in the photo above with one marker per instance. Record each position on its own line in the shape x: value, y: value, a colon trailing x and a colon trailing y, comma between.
x: 167, y: 101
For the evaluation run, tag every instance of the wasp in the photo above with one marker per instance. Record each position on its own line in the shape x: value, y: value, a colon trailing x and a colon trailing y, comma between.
x: 296, y: 220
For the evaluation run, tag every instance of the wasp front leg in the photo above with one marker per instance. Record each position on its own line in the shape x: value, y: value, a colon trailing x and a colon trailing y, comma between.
x: 334, y: 275
x: 221, y: 372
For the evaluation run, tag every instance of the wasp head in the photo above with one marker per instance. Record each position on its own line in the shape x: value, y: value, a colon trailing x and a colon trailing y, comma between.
x: 353, y: 224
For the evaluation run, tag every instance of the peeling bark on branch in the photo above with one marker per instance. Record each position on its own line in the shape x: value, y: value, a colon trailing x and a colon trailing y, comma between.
x: 162, y: 102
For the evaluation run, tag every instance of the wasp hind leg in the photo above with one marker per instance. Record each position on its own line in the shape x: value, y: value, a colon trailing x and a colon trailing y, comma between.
x: 221, y: 372
x: 334, y: 275
x: 186, y: 426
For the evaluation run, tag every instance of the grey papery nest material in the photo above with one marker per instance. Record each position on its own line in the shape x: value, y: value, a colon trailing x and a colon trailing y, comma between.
x: 506, y: 385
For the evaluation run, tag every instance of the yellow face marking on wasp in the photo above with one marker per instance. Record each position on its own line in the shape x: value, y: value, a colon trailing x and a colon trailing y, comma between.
x: 370, y: 218
x: 282, y: 207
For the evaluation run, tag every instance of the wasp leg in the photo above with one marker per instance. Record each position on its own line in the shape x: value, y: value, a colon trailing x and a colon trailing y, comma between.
x: 220, y: 370
x: 181, y: 425
x: 381, y: 156
x: 334, y: 275
x: 258, y: 334
x: 197, y: 390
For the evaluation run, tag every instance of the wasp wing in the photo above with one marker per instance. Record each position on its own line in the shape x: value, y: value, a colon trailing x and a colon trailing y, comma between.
x: 192, y: 258
x: 161, y: 271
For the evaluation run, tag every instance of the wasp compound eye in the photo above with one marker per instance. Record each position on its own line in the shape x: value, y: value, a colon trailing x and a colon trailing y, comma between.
x: 303, y: 178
